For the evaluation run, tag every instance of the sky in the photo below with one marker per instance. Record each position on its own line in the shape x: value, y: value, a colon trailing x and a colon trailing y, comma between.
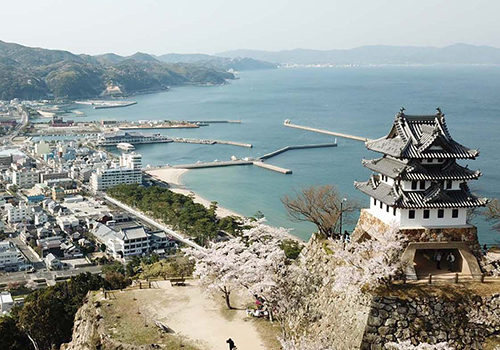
x: 210, y: 26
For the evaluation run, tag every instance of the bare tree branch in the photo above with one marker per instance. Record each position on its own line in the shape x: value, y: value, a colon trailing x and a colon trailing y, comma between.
x: 322, y: 206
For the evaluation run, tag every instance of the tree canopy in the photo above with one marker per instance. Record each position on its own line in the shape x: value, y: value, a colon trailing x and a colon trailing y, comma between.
x: 177, y: 210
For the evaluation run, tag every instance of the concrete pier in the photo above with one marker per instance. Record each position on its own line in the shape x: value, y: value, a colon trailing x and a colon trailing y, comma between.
x: 321, y: 131
x: 233, y: 143
x: 258, y: 162
x: 215, y: 121
x: 212, y: 142
x: 272, y: 167
x: 289, y: 148
x: 211, y: 164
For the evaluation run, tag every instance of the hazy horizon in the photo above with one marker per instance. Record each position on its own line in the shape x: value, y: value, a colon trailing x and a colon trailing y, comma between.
x: 126, y: 27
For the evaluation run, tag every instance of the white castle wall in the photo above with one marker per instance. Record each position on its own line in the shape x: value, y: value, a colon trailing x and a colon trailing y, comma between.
x: 402, y: 217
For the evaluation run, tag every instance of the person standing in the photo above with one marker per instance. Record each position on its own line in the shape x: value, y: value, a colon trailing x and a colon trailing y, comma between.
x: 231, y: 344
x: 451, y: 261
x: 438, y: 260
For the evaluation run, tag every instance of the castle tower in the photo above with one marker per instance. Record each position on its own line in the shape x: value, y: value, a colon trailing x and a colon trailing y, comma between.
x: 418, y: 187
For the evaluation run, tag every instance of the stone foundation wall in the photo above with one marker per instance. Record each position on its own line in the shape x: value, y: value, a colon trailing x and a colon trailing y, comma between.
x: 464, y: 323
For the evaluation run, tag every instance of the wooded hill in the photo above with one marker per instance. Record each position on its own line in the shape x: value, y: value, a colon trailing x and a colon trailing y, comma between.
x: 35, y: 73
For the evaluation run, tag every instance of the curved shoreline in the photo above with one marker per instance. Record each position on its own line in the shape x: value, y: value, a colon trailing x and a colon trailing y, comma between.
x: 173, y: 177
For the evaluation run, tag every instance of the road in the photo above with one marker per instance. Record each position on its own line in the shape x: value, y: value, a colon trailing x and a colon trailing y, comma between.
x: 150, y: 221
x: 50, y: 276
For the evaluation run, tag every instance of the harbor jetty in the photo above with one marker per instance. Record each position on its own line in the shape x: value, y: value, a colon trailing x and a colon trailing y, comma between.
x: 101, y: 104
x: 267, y: 166
x: 289, y: 148
x: 202, y: 165
x: 328, y: 132
x: 214, y: 121
x: 211, y: 142
x: 260, y: 162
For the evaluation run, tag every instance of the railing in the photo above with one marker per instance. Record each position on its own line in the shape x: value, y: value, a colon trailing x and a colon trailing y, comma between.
x: 449, y: 278
x: 146, y: 284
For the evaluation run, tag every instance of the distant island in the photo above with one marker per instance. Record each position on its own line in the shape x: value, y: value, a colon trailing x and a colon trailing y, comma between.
x: 35, y: 73
x: 458, y: 54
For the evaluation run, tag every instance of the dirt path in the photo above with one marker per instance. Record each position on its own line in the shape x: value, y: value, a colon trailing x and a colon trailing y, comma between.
x: 190, y: 313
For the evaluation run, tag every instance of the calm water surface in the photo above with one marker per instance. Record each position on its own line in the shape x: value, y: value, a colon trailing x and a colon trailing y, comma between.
x: 361, y: 101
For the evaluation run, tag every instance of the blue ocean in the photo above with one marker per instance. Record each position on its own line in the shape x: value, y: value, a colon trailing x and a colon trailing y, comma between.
x: 359, y: 101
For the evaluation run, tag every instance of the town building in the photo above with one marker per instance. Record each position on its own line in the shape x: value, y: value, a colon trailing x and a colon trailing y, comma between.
x: 6, y: 302
x: 10, y: 256
x: 129, y: 172
x: 41, y: 148
x: 24, y: 178
x: 5, y: 161
x: 18, y: 213
x: 419, y: 188
x: 53, y: 175
x: 128, y: 239
x: 52, y: 262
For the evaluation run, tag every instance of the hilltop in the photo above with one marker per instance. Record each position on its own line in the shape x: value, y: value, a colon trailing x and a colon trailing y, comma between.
x: 379, y: 54
x: 34, y: 73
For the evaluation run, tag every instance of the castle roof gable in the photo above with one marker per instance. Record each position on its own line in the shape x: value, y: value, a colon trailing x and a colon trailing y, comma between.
x: 420, y: 136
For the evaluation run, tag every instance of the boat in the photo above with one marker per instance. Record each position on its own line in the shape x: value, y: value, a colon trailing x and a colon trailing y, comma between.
x: 113, y: 139
x: 124, y: 146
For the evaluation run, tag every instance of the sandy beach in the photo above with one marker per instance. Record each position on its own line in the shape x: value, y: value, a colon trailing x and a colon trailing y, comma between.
x: 173, y: 177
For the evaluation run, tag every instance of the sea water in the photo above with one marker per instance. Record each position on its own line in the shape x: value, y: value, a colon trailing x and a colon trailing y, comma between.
x: 359, y: 100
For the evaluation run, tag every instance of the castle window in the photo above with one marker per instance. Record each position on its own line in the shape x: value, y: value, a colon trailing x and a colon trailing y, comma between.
x: 427, y: 213
x: 431, y: 160
x: 374, y: 201
x: 449, y: 184
x: 441, y: 213
x: 454, y: 213
x: 414, y: 185
x: 422, y: 185
x: 381, y: 205
x: 411, y: 214
x: 440, y: 160
x: 394, y: 211
x: 386, y: 208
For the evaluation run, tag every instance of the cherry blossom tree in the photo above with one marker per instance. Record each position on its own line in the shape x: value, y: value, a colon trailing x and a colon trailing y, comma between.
x: 368, y: 264
x: 250, y: 261
x: 352, y: 269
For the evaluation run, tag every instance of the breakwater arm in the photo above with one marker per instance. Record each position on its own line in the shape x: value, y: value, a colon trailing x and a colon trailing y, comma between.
x: 289, y: 148
x: 215, y: 121
x: 212, y: 142
x: 321, y: 131
x: 211, y: 164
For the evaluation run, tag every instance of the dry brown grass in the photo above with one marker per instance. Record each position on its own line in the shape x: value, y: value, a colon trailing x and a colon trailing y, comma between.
x: 125, y: 323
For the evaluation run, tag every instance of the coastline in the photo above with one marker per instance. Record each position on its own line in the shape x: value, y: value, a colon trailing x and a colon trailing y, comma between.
x: 173, y: 177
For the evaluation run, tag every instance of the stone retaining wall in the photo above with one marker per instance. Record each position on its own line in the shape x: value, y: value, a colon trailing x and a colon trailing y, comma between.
x: 464, y: 322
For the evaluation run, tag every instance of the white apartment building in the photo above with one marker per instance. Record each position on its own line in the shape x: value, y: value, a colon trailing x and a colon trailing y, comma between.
x: 18, y: 214
x: 41, y: 148
x: 129, y: 172
x: 6, y: 302
x: 24, y: 178
x: 124, y: 243
x: 10, y: 256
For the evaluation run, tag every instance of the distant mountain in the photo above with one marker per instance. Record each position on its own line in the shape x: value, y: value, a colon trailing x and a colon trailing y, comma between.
x: 239, y: 64
x: 184, y: 58
x: 33, y: 73
x: 378, y: 54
